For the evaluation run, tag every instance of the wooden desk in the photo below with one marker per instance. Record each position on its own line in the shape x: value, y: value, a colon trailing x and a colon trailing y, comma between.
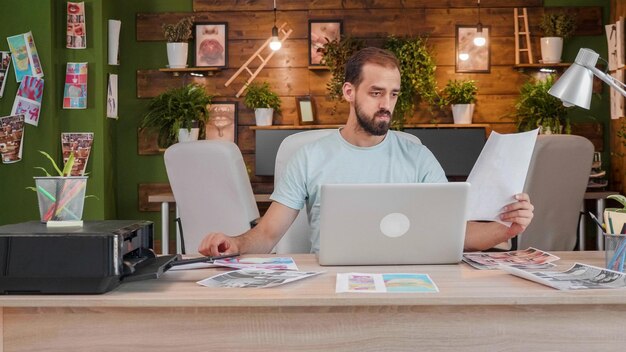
x: 165, y: 199
x: 474, y: 311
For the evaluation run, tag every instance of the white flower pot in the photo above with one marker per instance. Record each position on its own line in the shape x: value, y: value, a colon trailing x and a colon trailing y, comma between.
x: 551, y: 49
x: 188, y: 135
x: 263, y: 116
x: 462, y: 113
x: 177, y: 55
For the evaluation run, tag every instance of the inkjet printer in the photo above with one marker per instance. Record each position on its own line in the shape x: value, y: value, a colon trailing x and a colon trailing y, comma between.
x: 94, y: 258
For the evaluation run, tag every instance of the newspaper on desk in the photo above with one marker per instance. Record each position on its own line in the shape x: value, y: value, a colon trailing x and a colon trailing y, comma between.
x: 530, y: 258
x: 272, y: 263
x: 390, y: 282
x: 578, y: 277
x: 256, y: 278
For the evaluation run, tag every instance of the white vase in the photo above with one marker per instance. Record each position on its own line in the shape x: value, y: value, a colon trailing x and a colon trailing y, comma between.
x: 188, y: 135
x: 551, y: 49
x: 263, y: 116
x: 177, y: 55
x: 462, y: 113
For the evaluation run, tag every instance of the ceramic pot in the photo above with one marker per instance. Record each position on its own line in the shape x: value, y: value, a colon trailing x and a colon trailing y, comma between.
x: 462, y: 113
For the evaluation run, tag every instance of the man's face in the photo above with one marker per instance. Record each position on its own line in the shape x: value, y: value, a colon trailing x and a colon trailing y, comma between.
x: 375, y: 98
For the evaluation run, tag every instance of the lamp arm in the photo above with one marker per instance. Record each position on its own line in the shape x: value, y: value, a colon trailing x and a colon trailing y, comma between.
x: 608, y: 79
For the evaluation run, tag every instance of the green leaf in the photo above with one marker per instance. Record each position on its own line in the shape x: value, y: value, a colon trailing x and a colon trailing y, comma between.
x: 53, y: 163
x: 67, y: 169
x: 44, y: 170
x: 620, y: 198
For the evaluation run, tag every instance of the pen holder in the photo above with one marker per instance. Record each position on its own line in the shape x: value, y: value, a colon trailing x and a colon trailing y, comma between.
x: 61, y: 198
x: 615, y: 251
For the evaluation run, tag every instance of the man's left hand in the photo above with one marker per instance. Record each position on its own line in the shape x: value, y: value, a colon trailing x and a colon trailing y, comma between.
x: 519, y: 214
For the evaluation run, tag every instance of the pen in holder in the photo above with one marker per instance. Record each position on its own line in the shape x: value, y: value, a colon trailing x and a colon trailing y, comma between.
x: 615, y: 240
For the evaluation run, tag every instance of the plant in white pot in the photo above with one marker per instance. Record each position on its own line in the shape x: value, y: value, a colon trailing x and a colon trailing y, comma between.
x: 556, y: 27
x: 535, y: 108
x: 178, y: 36
x: 461, y: 95
x: 178, y: 114
x: 264, y: 101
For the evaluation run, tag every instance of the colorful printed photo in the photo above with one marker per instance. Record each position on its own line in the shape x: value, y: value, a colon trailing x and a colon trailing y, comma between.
x: 11, y: 137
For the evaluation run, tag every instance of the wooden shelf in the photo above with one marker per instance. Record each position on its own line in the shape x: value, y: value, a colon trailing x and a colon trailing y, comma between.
x: 317, y: 68
x: 208, y: 71
x: 557, y: 66
x: 420, y: 125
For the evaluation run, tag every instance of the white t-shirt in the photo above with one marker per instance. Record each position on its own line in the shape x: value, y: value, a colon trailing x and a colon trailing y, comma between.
x: 332, y: 160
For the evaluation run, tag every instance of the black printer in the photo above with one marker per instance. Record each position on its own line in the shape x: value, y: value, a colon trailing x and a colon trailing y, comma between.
x: 94, y: 258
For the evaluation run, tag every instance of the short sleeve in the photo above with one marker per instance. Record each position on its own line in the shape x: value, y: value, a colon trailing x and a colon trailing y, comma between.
x: 291, y: 189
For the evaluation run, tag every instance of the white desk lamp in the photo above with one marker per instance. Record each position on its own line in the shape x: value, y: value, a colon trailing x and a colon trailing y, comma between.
x: 574, y: 87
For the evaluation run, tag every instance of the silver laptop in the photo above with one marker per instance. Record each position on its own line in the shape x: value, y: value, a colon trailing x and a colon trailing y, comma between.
x: 374, y: 224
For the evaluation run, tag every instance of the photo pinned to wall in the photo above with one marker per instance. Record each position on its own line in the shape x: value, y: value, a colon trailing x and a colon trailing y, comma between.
x: 114, y: 42
x: 112, y: 97
x: 222, y: 123
x: 211, y: 44
x: 76, y: 37
x: 28, y: 100
x: 11, y: 138
x: 80, y: 143
x: 25, y: 57
x: 617, y: 100
x: 470, y: 55
x: 320, y: 33
x: 75, y: 92
x: 306, y: 110
x: 5, y: 62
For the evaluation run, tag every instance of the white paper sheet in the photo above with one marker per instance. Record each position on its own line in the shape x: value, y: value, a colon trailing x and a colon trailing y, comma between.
x: 112, y: 96
x: 499, y: 174
x: 114, y: 42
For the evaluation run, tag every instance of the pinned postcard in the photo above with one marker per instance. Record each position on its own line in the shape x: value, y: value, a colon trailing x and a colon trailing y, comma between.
x: 75, y: 92
x: 256, y: 278
x: 272, y: 263
x: 381, y: 283
x: 80, y: 143
x: 528, y: 258
x: 25, y: 57
x: 28, y: 100
x: 11, y: 138
x: 114, y: 42
x: 5, y: 62
x: 76, y: 34
x: 112, y: 97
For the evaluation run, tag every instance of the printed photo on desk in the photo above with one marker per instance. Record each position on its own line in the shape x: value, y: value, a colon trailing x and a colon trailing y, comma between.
x: 222, y: 123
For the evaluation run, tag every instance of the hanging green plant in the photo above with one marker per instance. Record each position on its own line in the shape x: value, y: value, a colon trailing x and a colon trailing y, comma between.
x: 417, y: 71
x: 335, y: 54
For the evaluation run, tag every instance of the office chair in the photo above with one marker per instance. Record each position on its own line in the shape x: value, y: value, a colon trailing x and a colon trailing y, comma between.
x: 556, y: 182
x: 212, y: 190
x: 297, y: 239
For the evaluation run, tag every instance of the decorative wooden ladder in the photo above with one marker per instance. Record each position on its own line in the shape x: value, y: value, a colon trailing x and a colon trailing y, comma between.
x: 257, y: 55
x: 526, y: 33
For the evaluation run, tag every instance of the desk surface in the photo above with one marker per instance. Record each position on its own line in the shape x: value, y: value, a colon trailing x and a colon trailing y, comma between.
x: 459, y: 285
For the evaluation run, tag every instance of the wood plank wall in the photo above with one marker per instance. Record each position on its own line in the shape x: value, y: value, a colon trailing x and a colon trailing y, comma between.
x: 250, y: 23
x: 618, y: 149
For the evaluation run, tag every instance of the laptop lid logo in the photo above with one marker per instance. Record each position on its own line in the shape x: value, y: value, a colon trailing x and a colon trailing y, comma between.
x: 395, y: 225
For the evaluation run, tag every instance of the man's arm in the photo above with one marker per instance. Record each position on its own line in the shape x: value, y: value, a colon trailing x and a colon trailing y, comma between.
x: 484, y: 235
x: 259, y: 239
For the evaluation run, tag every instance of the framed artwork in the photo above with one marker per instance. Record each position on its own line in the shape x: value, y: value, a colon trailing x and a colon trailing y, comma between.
x: 222, y: 123
x: 306, y: 110
x: 469, y: 56
x: 211, y: 44
x: 320, y: 33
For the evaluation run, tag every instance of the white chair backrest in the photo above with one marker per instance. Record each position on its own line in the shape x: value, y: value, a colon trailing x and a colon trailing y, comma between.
x: 297, y: 238
x: 556, y: 183
x: 212, y: 189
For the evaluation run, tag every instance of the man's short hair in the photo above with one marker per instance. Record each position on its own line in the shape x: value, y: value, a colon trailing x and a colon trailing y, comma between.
x: 371, y: 55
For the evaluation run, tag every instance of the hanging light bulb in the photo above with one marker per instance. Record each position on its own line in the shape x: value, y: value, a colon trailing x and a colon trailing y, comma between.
x: 479, y: 38
x: 275, y: 43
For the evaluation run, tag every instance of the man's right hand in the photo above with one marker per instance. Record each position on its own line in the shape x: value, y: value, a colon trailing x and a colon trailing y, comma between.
x: 217, y: 243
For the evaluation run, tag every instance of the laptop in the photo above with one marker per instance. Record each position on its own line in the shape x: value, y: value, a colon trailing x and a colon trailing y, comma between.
x: 378, y: 224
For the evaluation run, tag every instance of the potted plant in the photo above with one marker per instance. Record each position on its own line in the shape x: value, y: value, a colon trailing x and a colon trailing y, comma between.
x: 178, y: 36
x: 178, y: 112
x: 535, y: 108
x: 264, y: 101
x: 556, y: 27
x: 461, y: 95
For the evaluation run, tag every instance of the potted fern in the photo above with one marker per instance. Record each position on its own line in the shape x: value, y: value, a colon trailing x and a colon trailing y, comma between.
x: 461, y: 95
x: 535, y: 108
x: 178, y: 36
x: 178, y: 114
x: 556, y: 27
x: 264, y: 101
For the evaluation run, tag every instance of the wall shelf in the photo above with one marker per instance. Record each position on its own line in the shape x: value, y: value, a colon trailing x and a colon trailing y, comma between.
x: 537, y: 67
x: 199, y: 71
x: 318, y: 68
x: 419, y: 125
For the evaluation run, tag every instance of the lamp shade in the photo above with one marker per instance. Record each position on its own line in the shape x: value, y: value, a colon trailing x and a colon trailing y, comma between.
x: 574, y: 87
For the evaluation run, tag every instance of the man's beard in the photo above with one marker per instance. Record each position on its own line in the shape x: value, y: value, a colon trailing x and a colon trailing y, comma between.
x: 369, y: 124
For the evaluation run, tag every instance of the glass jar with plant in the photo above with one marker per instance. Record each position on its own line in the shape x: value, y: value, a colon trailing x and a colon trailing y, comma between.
x: 556, y: 27
x: 263, y: 101
x: 417, y: 72
x: 178, y: 112
x: 178, y: 36
x: 535, y: 108
x: 461, y: 95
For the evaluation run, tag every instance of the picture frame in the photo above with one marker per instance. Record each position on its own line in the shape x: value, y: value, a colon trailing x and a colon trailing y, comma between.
x: 469, y: 57
x: 321, y: 32
x: 306, y: 110
x: 222, y: 122
x: 210, y: 44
